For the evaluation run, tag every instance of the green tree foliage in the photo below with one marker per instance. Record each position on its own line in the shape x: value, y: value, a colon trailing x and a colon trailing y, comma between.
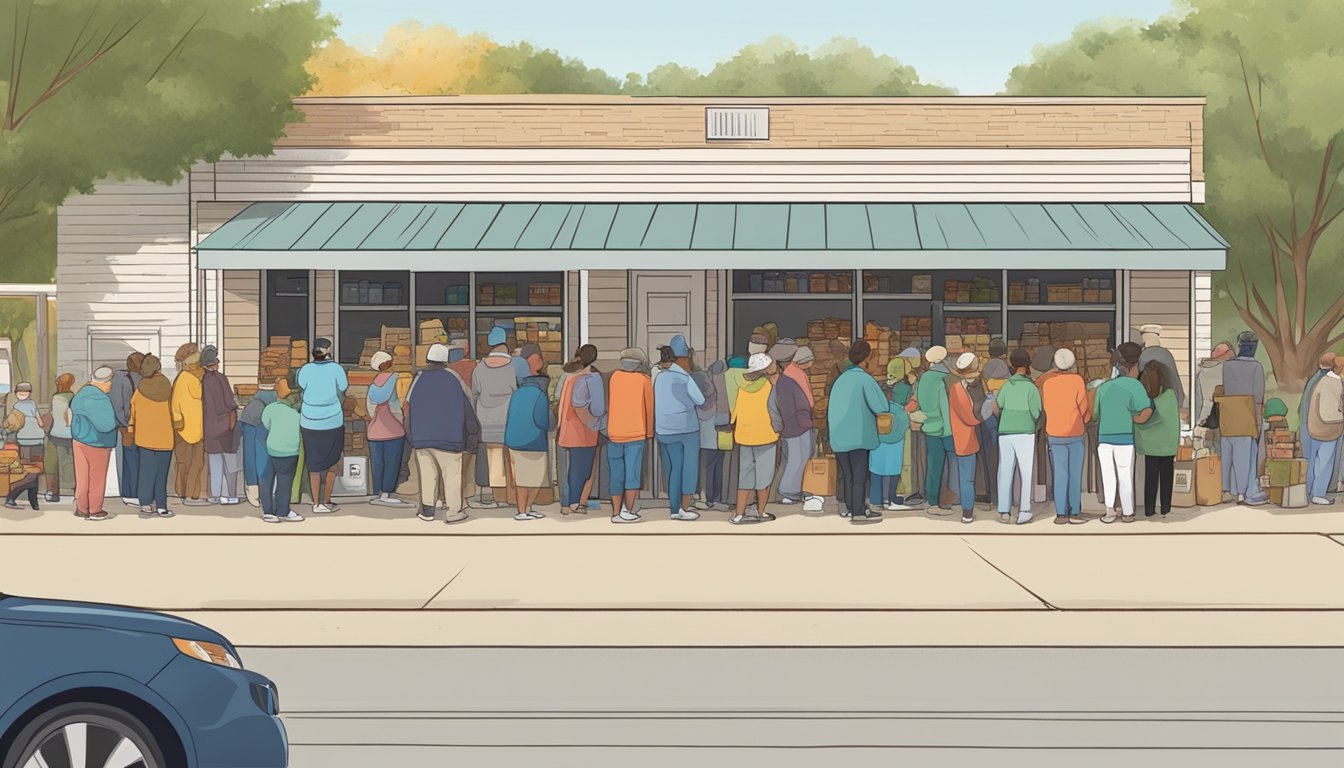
x: 135, y: 89
x: 521, y: 68
x: 1273, y: 73
x: 778, y: 67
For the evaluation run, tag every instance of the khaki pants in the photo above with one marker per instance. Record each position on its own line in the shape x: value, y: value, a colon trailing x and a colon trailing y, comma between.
x: 190, y: 459
x: 435, y: 468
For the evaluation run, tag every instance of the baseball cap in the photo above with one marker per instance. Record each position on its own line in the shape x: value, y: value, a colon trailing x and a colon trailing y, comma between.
x: 497, y: 336
x: 103, y: 374
x: 679, y: 346
x: 321, y: 345
x: 936, y: 354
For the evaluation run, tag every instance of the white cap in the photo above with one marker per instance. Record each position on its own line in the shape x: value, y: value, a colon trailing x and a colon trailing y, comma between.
x: 965, y: 361
x: 758, y: 362
x: 936, y: 355
x: 438, y: 353
x: 1150, y: 328
x: 378, y: 359
x: 103, y: 374
x: 1065, y: 359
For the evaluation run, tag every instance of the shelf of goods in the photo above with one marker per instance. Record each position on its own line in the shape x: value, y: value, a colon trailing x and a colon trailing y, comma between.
x: 1087, y: 290
x: 506, y: 294
x: 795, y: 283
x: 357, y: 293
x: 967, y: 334
x: 544, y: 331
x: 1090, y: 343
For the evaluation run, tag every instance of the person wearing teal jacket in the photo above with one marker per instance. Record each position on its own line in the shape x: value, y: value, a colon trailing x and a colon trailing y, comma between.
x: 886, y: 462
x: 856, y: 399
x: 931, y: 394
x: 1018, y: 406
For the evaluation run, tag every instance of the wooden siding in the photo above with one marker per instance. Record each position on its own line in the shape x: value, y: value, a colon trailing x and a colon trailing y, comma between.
x: 324, y: 301
x: 712, y: 341
x: 240, y: 336
x: 588, y: 121
x: 701, y: 175
x: 122, y: 264
x: 1203, y: 314
x: 609, y: 311
x: 1163, y: 298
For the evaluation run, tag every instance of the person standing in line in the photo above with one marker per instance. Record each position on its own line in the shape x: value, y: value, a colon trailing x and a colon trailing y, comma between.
x: 1122, y: 402
x: 1243, y: 380
x: 493, y: 382
x: 851, y: 414
x: 255, y: 457
x: 284, y: 435
x: 149, y: 427
x: 1158, y: 438
x: 1153, y: 351
x: 706, y: 412
x: 220, y: 429
x: 529, y: 421
x: 931, y: 392
x: 93, y: 429
x: 676, y: 398
x: 387, y: 433
x: 58, y: 462
x: 887, y: 461
x: 797, y: 437
x: 1323, y: 426
x: 714, y: 435
x: 188, y: 423
x: 964, y: 420
x: 322, y: 423
x: 756, y: 424
x: 442, y: 428
x: 582, y: 411
x: 1068, y: 409
x: 1207, y: 379
x: 1325, y: 366
x: 996, y: 372
x: 124, y: 384
x: 1017, y: 406
x: 26, y: 424
x: 629, y: 427
x: 911, y: 485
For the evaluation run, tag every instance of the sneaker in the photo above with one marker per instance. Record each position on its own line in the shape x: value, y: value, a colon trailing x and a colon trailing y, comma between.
x: 52, y: 497
x: 322, y: 509
x: 165, y: 513
x: 229, y: 501
x: 1004, y: 517
x: 1256, y: 503
x: 938, y: 511
x: 1024, y: 517
x: 212, y: 499
x: 1062, y: 519
x: 625, y: 516
x: 390, y: 501
x: 456, y: 517
x: 475, y: 503
x: 131, y: 502
x: 871, y: 517
x: 914, y: 499
x: 685, y: 514
x: 523, y: 517
x: 787, y: 500
x: 1128, y: 518
x: 812, y: 504
x: 292, y: 517
x: 1322, y: 500
x: 1228, y: 498
x: 426, y: 514
x: 534, y: 514
x: 196, y: 503
x: 968, y: 518
x: 743, y: 519
x: 1109, y: 518
x: 1077, y: 519
x: 95, y: 516
x: 333, y: 506
x: 700, y: 504
x: 269, y: 518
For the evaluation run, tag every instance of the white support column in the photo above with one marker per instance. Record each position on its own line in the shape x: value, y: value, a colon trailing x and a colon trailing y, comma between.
x: 583, y: 306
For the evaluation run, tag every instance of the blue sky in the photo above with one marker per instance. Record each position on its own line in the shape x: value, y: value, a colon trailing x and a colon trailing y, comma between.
x: 968, y: 44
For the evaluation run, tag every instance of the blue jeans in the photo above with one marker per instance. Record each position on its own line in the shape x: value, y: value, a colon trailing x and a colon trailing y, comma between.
x: 966, y: 483
x: 681, y: 465
x: 883, y: 488
x: 625, y: 465
x: 255, y: 457
x: 1320, y: 463
x: 130, y: 471
x: 277, y: 483
x: 385, y: 455
x: 1309, y: 446
x: 1066, y: 464
x: 1240, y: 464
x: 152, y: 485
x: 580, y: 469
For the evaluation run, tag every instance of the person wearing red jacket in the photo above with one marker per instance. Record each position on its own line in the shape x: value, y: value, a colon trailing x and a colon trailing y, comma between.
x: 964, y: 422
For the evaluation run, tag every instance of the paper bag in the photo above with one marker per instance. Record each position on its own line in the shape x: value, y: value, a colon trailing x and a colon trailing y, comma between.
x: 819, y: 477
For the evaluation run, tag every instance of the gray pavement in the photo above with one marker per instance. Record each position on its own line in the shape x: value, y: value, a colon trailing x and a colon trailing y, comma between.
x: 805, y: 707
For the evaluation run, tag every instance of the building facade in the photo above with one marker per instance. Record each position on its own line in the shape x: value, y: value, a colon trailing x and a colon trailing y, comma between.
x: 623, y: 221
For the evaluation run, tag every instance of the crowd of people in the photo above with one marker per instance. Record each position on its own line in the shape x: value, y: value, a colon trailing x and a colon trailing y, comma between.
x: 936, y: 434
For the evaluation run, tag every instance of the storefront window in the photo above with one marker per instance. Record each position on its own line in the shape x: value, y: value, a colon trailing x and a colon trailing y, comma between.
x: 288, y: 304
x: 1065, y: 308
x: 528, y: 305
x: 374, y: 310
x: 442, y: 307
x: 812, y: 304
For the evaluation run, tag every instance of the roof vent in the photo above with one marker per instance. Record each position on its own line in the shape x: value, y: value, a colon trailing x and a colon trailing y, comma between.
x: 737, y: 123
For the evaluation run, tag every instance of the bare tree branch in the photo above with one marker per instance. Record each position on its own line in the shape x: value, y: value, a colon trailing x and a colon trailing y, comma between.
x: 16, y: 53
x: 1255, y: 114
x: 176, y: 48
x: 1261, y: 326
x: 1280, y: 293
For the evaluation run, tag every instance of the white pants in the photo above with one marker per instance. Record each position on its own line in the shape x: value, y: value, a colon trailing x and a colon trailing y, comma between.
x: 1117, y: 470
x: 1016, y: 453
x: 440, y: 469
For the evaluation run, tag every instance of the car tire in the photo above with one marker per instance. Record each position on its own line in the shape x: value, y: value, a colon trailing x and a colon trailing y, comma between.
x: 100, y: 731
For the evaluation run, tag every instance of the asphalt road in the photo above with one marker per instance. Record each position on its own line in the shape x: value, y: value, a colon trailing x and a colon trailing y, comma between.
x: 783, y: 707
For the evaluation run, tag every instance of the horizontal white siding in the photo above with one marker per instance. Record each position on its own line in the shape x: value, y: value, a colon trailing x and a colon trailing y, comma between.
x: 122, y: 264
x: 970, y: 175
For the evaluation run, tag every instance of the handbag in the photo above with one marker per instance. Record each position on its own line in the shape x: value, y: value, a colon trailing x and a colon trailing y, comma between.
x: 884, y: 423
x: 724, y: 433
x: 1211, y: 421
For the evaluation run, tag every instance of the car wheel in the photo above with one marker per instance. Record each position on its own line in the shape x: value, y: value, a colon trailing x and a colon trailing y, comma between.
x: 85, y: 736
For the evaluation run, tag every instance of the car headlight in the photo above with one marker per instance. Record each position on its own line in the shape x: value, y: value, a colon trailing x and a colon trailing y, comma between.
x: 210, y: 653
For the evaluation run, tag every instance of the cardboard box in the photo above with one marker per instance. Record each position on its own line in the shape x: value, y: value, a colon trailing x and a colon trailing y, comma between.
x: 1289, y: 497
x: 1183, y: 493
x: 819, y: 477
x: 1286, y: 472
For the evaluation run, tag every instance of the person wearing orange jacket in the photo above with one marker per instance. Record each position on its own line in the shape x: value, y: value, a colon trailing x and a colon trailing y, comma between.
x: 964, y: 421
x: 629, y: 427
x: 149, y: 428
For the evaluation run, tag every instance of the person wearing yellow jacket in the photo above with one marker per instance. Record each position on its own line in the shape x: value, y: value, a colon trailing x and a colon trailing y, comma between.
x: 188, y: 425
x: 150, y: 429
x: 756, y: 426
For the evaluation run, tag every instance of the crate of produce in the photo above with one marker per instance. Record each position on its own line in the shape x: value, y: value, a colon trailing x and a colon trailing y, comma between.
x: 543, y: 294
x: 921, y: 284
x: 817, y: 282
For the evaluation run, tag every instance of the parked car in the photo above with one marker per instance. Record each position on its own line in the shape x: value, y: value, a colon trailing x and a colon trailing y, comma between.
x: 101, y: 686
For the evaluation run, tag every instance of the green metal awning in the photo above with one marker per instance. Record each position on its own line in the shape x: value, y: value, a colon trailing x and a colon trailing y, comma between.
x: 548, y: 236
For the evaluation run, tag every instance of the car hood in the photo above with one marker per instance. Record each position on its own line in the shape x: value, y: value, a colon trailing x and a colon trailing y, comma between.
x: 98, y: 616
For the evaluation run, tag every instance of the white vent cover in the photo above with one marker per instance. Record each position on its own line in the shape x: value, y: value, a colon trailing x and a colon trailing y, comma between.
x: 737, y: 123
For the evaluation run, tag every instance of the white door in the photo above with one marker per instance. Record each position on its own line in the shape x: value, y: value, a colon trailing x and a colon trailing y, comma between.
x: 667, y: 304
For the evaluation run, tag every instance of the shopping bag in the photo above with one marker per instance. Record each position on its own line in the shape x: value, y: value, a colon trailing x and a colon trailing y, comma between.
x: 885, y: 421
x: 819, y: 477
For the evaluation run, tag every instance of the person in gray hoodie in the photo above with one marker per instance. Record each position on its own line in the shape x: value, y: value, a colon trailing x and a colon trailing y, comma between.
x: 124, y: 384
x: 493, y: 383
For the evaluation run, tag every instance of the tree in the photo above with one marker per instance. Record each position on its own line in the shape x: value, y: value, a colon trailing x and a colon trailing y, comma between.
x: 1271, y: 72
x: 778, y: 67
x: 412, y: 59
x: 136, y: 89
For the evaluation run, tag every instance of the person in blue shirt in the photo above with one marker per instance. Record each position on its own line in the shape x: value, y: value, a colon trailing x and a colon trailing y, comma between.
x: 676, y: 426
x: 322, y: 422
x: 93, y: 428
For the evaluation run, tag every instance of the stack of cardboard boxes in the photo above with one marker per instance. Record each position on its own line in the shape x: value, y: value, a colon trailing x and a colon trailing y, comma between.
x: 886, y: 345
x: 1090, y: 343
x: 917, y: 332
x: 545, y: 332
x: 398, y: 342
x: 1285, y: 475
x: 275, y: 360
x: 967, y: 334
